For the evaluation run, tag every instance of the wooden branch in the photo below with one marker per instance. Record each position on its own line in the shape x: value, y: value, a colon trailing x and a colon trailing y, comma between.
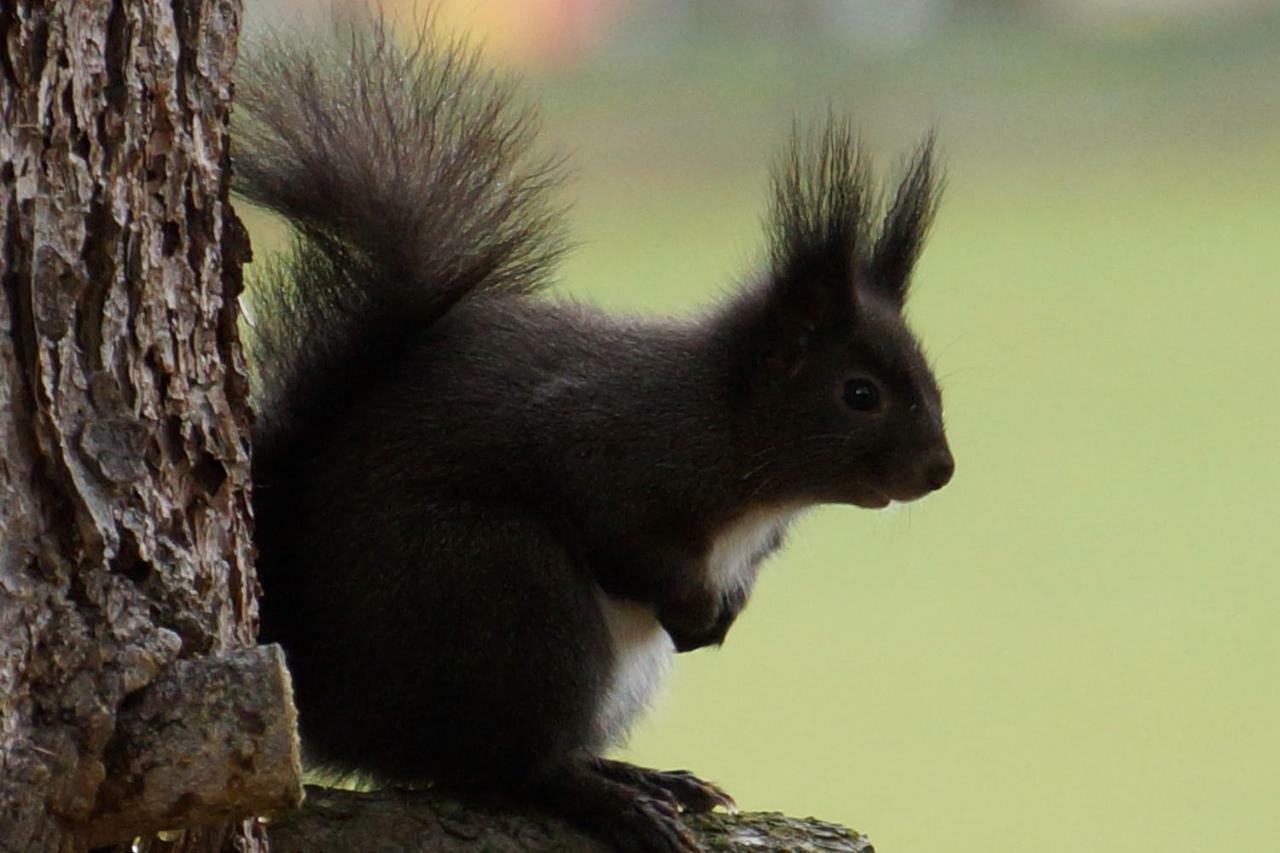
x: 213, y: 739
x: 338, y: 821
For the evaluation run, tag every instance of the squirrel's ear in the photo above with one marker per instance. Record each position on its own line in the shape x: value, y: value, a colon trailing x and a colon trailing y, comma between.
x: 906, y: 224
x: 817, y: 224
x: 797, y: 311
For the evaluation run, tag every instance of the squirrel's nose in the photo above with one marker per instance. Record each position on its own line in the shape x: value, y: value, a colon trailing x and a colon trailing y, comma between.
x: 940, y: 469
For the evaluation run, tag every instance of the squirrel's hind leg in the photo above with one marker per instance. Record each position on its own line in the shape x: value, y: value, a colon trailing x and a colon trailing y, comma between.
x: 550, y: 661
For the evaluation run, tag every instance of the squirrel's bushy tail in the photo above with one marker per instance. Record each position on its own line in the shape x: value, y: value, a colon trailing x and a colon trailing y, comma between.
x: 407, y: 175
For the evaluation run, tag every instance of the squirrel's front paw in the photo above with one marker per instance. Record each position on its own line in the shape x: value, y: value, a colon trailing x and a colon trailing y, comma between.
x: 701, y: 619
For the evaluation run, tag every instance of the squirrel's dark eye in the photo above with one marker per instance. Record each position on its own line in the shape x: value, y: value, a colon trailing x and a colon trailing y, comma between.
x: 861, y: 395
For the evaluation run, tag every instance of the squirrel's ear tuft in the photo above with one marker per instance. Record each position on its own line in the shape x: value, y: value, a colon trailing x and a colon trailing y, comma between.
x: 906, y: 223
x: 818, y: 224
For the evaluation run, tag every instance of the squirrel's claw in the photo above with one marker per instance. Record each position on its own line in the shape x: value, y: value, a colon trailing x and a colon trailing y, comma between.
x: 679, y: 787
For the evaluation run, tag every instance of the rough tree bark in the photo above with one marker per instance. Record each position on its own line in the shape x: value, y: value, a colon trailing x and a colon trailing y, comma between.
x: 124, y: 516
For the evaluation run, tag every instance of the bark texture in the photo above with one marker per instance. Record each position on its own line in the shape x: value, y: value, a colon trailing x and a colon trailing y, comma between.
x: 214, y: 739
x: 123, y: 439
x: 397, y: 821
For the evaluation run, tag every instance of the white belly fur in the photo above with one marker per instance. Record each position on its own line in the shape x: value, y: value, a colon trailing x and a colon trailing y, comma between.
x: 642, y: 654
x: 736, y: 551
x: 642, y: 650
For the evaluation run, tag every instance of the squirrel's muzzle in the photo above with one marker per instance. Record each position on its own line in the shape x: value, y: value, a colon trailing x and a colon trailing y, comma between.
x: 939, y: 468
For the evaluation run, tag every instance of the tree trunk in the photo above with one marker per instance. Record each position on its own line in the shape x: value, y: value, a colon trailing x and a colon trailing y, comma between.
x: 124, y: 524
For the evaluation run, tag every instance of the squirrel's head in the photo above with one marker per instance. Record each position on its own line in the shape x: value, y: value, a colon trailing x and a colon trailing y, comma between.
x: 837, y: 401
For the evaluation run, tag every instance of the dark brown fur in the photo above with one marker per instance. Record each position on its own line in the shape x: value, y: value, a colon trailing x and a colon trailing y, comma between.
x: 449, y: 462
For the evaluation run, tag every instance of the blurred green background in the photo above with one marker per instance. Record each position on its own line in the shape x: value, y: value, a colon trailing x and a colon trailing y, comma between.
x: 1075, y: 645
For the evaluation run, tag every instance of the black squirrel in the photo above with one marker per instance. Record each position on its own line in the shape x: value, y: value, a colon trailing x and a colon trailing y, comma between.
x: 487, y: 516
